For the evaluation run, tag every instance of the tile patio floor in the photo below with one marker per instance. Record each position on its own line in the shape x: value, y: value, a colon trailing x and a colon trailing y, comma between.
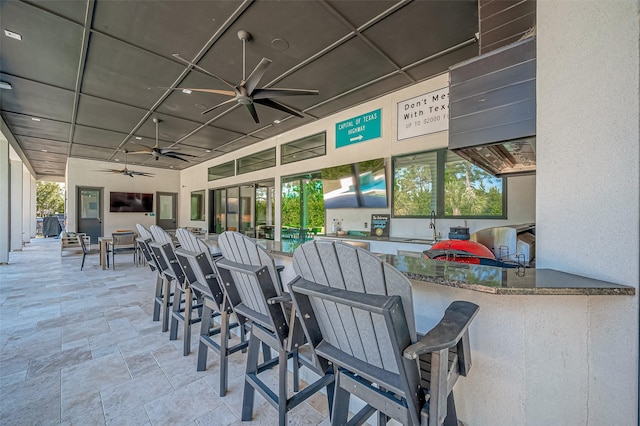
x: 79, y: 347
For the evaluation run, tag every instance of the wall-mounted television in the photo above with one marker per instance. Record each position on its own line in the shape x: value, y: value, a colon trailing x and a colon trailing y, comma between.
x: 130, y: 202
x: 362, y: 184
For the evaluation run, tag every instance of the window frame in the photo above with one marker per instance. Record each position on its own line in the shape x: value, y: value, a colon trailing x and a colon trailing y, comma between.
x: 441, y: 160
x: 201, y: 215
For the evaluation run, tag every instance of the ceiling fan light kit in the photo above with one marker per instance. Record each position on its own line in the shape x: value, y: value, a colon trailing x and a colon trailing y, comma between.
x: 245, y: 93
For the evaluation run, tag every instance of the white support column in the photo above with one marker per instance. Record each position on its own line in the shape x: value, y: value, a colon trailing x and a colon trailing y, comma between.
x: 16, y: 205
x: 33, y: 227
x: 26, y: 205
x: 4, y: 200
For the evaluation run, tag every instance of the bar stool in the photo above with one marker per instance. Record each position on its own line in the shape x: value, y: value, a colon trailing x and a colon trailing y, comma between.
x: 250, y: 281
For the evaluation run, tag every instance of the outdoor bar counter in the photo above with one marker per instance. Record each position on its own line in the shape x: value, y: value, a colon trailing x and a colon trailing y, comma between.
x: 535, y: 359
x: 487, y: 279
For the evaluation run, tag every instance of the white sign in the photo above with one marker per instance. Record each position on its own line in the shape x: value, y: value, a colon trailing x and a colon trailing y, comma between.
x: 424, y: 114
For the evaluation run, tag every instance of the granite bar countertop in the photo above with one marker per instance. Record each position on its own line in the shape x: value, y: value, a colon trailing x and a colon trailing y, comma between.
x: 486, y: 279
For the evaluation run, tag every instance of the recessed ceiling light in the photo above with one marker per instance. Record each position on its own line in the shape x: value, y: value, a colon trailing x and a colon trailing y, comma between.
x: 44, y: 150
x: 35, y: 119
x: 187, y: 91
x: 138, y: 138
x: 277, y: 121
x: 12, y: 35
x: 208, y: 150
x: 280, y: 44
x: 117, y: 159
x: 171, y: 167
x: 5, y: 85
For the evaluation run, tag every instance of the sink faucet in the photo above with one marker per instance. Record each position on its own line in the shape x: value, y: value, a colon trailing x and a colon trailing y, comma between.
x: 432, y: 224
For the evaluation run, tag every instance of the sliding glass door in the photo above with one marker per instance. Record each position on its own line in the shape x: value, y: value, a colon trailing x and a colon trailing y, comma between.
x: 248, y: 209
x: 302, y: 206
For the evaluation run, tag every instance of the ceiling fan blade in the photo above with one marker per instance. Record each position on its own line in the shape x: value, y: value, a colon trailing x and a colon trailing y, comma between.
x: 110, y: 171
x: 277, y: 105
x: 256, y: 75
x: 274, y: 93
x: 216, y: 91
x: 171, y: 152
x: 143, y: 149
x: 175, y: 55
x: 177, y: 157
x: 219, y: 105
x: 145, y: 174
x: 253, y: 112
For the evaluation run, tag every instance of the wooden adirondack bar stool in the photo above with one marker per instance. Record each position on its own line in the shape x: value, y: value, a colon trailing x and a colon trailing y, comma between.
x: 162, y: 241
x: 181, y: 307
x: 357, y: 313
x: 251, y: 283
x: 203, y: 280
x: 144, y: 239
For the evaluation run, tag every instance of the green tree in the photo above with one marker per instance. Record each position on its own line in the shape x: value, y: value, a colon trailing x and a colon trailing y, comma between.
x: 49, y: 198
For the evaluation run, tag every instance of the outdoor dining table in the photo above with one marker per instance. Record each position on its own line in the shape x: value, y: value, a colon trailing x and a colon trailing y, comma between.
x: 104, y: 246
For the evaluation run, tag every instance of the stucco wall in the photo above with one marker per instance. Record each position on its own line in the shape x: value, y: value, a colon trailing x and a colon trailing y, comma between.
x: 587, y: 193
x: 520, y: 195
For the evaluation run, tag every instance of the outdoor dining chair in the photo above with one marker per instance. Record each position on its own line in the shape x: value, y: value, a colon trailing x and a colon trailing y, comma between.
x: 357, y: 313
x: 85, y: 250
x: 122, y: 242
x: 251, y: 283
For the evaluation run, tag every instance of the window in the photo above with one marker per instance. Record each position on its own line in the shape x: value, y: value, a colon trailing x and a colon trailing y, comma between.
x: 415, y: 180
x: 258, y: 161
x: 469, y: 191
x: 221, y: 171
x: 303, y: 149
x: 197, y: 205
x: 302, y: 206
x: 443, y: 182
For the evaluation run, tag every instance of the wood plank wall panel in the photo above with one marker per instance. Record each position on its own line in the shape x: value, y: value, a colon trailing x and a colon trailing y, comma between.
x: 504, y: 21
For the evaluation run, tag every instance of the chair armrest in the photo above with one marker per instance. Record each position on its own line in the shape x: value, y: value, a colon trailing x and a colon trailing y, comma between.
x: 447, y: 332
x: 285, y: 298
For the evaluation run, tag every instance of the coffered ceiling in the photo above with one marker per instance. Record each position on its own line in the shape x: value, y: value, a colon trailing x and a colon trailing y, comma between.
x: 88, y: 77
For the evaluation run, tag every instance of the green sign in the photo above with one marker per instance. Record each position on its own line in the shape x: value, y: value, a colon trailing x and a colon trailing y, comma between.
x: 359, y: 129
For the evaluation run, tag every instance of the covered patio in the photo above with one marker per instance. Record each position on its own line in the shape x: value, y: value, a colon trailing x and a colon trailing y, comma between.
x: 80, y: 347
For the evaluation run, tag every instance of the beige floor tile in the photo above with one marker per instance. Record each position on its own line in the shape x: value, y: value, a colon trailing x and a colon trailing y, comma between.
x: 80, y: 348
x: 184, y: 405
x: 133, y: 394
x: 86, y: 406
x: 93, y: 375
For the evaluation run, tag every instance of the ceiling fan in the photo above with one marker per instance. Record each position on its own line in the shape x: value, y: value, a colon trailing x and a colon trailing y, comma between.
x: 157, y: 152
x: 246, y: 92
x: 126, y: 171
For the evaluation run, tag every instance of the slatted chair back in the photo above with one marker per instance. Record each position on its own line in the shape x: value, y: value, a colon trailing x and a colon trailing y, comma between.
x: 144, y: 238
x: 347, y: 267
x: 189, y: 241
x: 163, y: 248
x: 201, y: 274
x: 357, y: 313
x: 250, y: 278
x: 143, y: 231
